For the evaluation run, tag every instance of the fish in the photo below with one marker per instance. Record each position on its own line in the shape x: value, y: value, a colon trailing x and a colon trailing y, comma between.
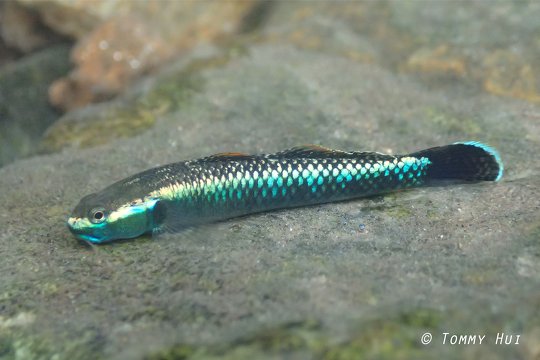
x: 188, y: 194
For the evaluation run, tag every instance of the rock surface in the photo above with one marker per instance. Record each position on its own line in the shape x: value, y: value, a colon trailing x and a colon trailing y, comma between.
x: 135, y: 37
x: 22, y: 29
x: 360, y: 279
x: 493, y: 45
x: 25, y: 112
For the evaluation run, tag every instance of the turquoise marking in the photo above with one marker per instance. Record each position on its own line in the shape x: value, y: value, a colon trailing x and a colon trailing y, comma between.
x: 310, y: 181
x: 339, y: 179
x: 289, y: 181
x: 489, y: 150
x: 274, y: 191
x: 314, y: 189
x: 270, y: 182
x: 320, y: 180
x: 400, y: 176
x: 279, y: 181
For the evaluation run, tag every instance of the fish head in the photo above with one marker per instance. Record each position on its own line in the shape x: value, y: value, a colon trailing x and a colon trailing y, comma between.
x: 97, y: 220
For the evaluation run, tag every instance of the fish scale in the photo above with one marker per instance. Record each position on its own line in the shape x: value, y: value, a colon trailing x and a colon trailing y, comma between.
x: 225, y: 188
x: 222, y: 186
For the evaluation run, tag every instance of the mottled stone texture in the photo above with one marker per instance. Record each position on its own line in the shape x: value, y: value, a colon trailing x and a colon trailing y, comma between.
x: 25, y: 112
x: 360, y: 279
x: 133, y: 38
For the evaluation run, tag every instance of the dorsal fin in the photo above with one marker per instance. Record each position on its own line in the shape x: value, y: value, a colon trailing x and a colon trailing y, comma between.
x: 228, y: 156
x: 312, y: 151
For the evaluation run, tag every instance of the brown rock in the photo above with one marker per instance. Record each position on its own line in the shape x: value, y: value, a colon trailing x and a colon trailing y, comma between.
x: 123, y: 48
x: 76, y: 18
x: 116, y: 52
x: 438, y: 60
x: 507, y: 74
x: 22, y: 29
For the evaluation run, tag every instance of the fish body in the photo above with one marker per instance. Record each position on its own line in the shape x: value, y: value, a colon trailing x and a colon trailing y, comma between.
x: 223, y: 186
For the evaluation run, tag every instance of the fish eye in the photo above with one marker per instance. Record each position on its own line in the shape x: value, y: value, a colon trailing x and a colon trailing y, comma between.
x: 97, y: 215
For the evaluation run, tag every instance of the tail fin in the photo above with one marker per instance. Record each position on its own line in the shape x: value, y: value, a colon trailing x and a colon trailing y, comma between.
x: 469, y: 161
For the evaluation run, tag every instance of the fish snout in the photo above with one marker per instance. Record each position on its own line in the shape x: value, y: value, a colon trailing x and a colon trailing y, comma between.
x: 79, y: 228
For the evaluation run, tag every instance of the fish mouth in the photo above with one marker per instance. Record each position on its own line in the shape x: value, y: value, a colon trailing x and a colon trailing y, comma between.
x: 82, y: 234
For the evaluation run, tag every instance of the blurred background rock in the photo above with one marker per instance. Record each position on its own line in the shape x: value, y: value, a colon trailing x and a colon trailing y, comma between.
x: 485, y: 46
x: 113, y: 43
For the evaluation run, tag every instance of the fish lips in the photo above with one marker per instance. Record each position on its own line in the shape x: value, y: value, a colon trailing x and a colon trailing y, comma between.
x: 85, y: 234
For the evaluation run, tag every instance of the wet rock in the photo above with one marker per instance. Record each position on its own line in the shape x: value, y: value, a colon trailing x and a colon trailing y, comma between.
x: 344, y: 29
x: 107, y: 60
x: 297, y: 283
x: 22, y: 29
x: 364, y: 278
x: 437, y: 61
x: 24, y: 110
x: 508, y: 73
x: 137, y: 111
x: 7, y: 54
x: 136, y: 37
x: 77, y: 18
x: 490, y: 45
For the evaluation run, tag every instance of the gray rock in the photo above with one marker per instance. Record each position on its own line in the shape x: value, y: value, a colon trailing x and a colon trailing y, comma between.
x: 25, y: 112
x: 361, y: 278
